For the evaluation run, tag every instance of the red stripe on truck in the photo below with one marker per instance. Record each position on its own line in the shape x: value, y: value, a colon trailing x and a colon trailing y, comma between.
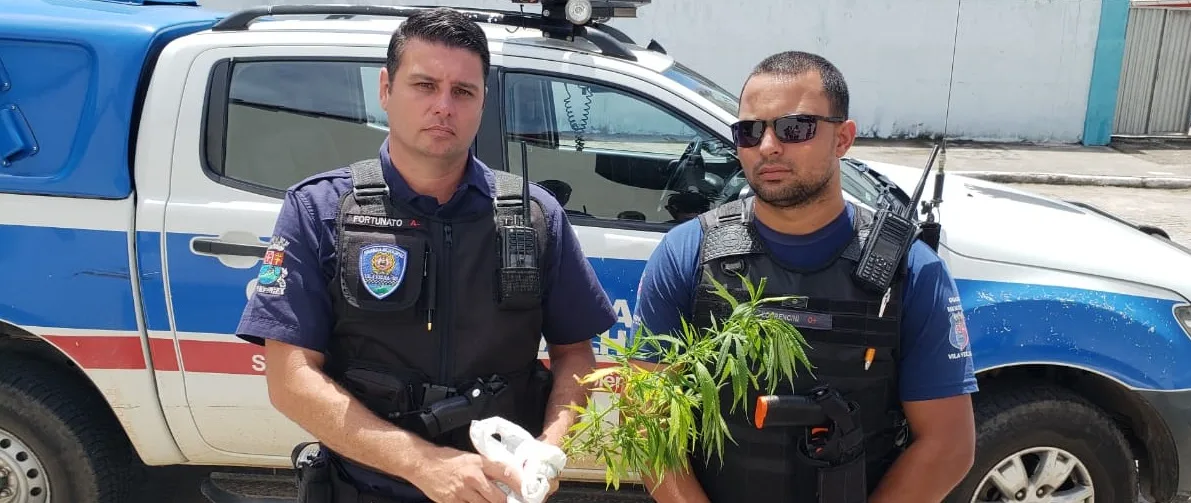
x: 121, y: 352
x: 217, y: 357
x: 102, y: 353
x: 165, y: 357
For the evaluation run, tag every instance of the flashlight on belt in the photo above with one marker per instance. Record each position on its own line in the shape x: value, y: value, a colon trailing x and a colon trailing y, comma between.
x: 776, y: 411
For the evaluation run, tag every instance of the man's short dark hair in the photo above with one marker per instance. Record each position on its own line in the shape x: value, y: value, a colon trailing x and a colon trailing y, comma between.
x: 440, y: 25
x: 797, y: 63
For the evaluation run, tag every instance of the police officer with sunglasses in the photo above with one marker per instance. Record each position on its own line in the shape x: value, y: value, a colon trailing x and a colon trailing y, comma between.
x: 887, y: 363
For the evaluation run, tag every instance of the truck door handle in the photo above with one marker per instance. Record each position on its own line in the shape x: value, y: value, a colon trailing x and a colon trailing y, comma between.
x: 216, y: 246
x: 16, y: 138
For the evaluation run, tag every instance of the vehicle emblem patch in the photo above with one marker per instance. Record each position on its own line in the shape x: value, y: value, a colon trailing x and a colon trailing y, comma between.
x: 382, y: 268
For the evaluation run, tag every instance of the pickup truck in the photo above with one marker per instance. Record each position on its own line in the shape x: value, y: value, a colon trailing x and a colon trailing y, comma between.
x: 145, y: 145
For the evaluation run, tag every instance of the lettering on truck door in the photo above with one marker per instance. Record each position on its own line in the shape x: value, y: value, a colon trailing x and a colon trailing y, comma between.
x: 286, y: 119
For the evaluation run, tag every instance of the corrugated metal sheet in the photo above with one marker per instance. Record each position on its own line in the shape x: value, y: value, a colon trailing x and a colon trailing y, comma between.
x: 1143, y: 41
x: 1172, y: 87
x: 1155, y: 89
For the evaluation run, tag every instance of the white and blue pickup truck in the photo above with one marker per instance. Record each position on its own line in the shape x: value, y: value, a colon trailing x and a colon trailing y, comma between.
x: 145, y: 146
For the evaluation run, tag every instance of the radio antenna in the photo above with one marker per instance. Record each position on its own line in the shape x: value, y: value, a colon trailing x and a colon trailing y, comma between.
x: 929, y: 206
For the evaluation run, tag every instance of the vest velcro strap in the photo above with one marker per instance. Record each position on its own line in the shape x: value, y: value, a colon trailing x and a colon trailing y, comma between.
x: 368, y: 186
x: 508, y: 199
x: 730, y: 240
x: 730, y: 212
x: 508, y: 186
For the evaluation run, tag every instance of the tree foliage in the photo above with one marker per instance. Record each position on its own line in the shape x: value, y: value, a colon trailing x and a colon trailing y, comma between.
x: 658, y: 406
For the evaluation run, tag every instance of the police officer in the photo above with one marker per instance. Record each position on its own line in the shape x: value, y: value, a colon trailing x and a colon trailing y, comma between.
x: 404, y: 295
x: 798, y: 232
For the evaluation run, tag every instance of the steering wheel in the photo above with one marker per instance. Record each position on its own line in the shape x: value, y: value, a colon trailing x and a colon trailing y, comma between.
x: 688, y: 173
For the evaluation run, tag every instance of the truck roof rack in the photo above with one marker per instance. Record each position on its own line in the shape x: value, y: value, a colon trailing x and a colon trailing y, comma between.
x: 560, y: 19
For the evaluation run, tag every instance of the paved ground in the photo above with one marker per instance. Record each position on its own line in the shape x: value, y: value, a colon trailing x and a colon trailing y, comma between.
x: 181, y: 485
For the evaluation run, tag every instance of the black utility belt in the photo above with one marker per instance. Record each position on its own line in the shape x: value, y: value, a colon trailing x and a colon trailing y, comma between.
x: 432, y: 410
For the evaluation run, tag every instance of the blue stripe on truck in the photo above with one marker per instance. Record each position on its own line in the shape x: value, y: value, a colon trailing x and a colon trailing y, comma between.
x: 79, y: 279
x: 67, y: 278
x: 1133, y: 339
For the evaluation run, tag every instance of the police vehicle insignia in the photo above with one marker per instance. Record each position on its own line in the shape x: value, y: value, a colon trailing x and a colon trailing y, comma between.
x: 382, y: 268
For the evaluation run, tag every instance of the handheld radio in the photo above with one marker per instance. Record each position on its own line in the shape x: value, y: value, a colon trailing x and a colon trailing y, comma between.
x: 888, y: 242
x: 520, y: 275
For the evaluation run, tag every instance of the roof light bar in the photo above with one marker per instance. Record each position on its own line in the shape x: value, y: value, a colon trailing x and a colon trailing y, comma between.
x: 560, y: 19
x: 581, y: 12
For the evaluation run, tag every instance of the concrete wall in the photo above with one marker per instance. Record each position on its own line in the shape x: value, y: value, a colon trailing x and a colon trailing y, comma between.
x: 1023, y: 69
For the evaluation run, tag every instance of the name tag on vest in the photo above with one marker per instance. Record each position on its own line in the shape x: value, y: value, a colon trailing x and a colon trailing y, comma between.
x: 382, y: 222
x: 800, y: 319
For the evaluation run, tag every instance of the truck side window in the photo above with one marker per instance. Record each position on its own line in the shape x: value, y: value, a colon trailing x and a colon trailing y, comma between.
x: 289, y: 119
x: 609, y: 154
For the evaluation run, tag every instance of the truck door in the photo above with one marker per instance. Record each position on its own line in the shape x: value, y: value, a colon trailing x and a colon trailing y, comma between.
x: 262, y: 121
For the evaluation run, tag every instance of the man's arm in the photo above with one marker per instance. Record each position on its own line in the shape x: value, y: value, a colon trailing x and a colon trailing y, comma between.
x: 939, y: 457
x: 303, y: 393
x: 576, y: 308
x: 937, y: 378
x: 569, y: 362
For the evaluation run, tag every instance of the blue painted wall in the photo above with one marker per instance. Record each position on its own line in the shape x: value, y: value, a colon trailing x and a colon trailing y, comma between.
x: 1106, y: 72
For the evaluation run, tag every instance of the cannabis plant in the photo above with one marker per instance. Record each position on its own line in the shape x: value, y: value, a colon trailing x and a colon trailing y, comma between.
x: 668, y: 410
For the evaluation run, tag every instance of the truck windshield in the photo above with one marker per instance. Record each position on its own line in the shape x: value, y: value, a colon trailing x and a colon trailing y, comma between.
x: 705, y: 87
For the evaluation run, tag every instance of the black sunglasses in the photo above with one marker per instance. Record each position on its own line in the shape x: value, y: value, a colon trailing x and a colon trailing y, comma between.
x: 789, y: 129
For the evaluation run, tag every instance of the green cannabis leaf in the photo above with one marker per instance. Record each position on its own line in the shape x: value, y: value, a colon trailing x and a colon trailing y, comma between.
x: 657, y: 408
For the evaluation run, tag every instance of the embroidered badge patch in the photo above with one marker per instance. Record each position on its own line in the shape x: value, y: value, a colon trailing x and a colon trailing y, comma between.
x: 382, y: 268
x: 271, y: 280
x: 959, y: 331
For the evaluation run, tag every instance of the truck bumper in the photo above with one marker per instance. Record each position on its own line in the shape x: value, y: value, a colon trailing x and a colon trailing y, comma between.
x: 1174, y: 411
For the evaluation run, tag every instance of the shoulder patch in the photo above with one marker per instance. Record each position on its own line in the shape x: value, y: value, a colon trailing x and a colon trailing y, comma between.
x: 271, y: 278
x: 959, y: 331
x: 958, y: 334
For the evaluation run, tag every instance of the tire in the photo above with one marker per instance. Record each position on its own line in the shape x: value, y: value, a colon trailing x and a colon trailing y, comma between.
x: 62, y: 438
x: 1051, y: 421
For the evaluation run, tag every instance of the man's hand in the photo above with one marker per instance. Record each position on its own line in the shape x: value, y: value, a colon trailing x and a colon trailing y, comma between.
x: 940, y: 456
x: 453, y: 476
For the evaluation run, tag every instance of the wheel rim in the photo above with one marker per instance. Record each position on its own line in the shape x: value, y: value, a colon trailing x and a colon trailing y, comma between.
x: 1037, y: 475
x: 22, y: 475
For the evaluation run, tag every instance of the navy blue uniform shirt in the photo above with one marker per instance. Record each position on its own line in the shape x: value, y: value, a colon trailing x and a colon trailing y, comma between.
x: 576, y: 308
x: 936, y: 359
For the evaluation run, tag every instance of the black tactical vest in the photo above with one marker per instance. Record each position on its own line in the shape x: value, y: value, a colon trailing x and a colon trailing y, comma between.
x: 840, y: 321
x: 419, y: 316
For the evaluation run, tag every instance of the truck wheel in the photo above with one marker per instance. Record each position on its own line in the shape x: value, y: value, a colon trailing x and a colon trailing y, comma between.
x: 1039, y: 443
x: 58, y: 442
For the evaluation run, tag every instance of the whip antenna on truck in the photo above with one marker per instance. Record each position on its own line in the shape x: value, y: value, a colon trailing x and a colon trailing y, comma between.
x: 893, y: 232
x: 929, y: 207
x: 929, y: 231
